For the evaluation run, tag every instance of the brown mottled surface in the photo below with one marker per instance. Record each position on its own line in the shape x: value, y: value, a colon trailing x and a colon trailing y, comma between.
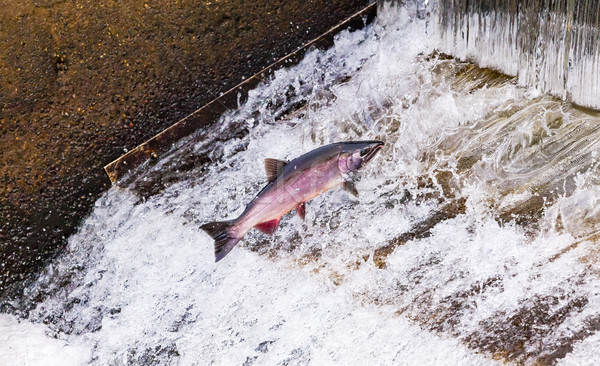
x: 420, y: 230
x: 82, y: 81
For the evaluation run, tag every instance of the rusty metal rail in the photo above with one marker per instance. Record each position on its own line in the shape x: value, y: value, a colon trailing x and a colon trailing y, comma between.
x: 210, y: 113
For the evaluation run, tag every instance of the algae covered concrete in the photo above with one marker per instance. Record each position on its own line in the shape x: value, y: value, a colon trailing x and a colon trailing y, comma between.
x: 82, y: 81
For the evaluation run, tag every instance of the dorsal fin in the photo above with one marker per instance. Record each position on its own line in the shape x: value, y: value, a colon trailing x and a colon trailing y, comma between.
x: 274, y: 167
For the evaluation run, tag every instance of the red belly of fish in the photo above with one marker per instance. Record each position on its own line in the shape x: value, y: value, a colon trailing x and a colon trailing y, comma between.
x: 280, y: 200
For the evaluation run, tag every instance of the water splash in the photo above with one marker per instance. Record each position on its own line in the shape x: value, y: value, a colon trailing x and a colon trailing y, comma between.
x: 474, y: 238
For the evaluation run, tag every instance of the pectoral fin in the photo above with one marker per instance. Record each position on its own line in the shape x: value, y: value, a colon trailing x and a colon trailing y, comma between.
x: 301, y: 210
x: 350, y: 187
x: 268, y: 227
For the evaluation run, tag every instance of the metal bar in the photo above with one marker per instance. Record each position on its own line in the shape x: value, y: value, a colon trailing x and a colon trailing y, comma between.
x: 210, y: 113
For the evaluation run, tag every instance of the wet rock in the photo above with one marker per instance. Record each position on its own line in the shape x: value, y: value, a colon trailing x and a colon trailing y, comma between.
x: 516, y: 337
x: 263, y: 347
x: 526, y: 213
x: 162, y: 354
x: 420, y: 230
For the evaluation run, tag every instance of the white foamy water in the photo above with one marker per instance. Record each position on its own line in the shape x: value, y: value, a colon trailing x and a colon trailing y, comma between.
x: 25, y: 343
x: 485, y: 198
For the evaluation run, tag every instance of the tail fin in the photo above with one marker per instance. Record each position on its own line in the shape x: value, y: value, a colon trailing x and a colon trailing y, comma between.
x: 221, y: 232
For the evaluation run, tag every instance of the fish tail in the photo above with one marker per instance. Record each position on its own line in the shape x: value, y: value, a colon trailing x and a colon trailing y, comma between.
x: 223, y: 234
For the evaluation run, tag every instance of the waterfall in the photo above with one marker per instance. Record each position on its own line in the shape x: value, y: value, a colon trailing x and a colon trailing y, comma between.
x: 552, y: 45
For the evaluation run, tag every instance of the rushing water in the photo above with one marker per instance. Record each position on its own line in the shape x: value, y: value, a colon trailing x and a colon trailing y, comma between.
x: 474, y: 240
x: 553, y: 45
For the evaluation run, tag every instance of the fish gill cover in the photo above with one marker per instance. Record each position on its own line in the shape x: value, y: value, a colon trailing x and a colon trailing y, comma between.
x: 474, y: 240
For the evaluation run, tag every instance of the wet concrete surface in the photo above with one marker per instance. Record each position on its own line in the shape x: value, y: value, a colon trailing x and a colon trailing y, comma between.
x: 83, y: 81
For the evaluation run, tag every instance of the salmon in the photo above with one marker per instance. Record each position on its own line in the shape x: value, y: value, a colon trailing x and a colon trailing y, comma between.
x: 291, y: 185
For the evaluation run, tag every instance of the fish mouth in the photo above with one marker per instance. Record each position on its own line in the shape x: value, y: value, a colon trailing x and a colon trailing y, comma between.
x: 373, y: 150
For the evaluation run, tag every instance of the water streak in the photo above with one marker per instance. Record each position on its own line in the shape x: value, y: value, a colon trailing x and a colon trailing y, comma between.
x: 552, y: 45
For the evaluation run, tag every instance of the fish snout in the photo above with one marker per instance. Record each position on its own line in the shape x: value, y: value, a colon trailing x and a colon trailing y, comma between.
x: 357, y: 154
x: 368, y: 153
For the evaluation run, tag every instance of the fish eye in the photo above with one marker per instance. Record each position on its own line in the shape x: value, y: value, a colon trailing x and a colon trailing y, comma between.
x: 364, y: 152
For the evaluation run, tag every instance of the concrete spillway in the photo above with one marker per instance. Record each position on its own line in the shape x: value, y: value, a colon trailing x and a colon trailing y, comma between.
x: 552, y: 45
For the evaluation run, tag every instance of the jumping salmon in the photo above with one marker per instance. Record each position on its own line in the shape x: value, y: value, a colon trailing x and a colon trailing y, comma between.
x: 290, y: 185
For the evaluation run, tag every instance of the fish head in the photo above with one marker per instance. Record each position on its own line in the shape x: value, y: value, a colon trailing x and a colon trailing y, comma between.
x: 355, y: 155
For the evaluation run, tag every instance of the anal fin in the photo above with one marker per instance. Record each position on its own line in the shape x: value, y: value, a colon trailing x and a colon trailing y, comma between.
x: 268, y: 227
x: 301, y: 210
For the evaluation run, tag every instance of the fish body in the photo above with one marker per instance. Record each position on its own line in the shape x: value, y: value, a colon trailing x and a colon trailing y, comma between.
x: 291, y: 184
